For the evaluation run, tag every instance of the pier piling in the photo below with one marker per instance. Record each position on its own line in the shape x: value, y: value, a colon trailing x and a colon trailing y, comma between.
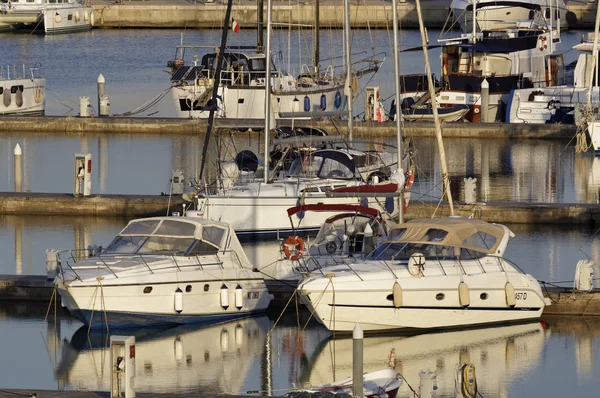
x: 18, y: 169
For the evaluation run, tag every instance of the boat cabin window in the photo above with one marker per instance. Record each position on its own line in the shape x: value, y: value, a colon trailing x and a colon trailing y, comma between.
x: 213, y: 235
x: 395, y: 233
x: 320, y: 167
x: 175, y: 228
x: 201, y: 248
x: 145, y: 227
x: 166, y: 244
x: 480, y: 240
x: 125, y: 245
x: 435, y: 235
x: 403, y: 251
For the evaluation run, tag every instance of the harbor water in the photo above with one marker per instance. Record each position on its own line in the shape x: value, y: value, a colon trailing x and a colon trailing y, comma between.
x: 558, y: 358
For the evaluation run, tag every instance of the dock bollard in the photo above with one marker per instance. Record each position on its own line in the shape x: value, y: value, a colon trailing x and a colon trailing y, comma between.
x: 428, y: 384
x: 357, y: 361
x: 18, y: 169
x: 122, y: 363
x: 103, y: 103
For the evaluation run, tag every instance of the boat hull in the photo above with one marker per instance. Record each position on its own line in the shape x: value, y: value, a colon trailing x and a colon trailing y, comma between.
x: 30, y: 101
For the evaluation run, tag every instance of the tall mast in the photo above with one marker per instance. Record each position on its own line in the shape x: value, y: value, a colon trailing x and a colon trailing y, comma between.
x: 474, y: 28
x: 438, y: 128
x: 217, y: 83
x: 594, y: 61
x: 398, y: 111
x: 348, y: 88
x: 317, y: 30
x: 260, y: 10
x: 268, y: 91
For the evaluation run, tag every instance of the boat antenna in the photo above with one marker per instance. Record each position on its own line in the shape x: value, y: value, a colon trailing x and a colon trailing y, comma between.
x: 213, y: 101
x: 438, y: 128
x: 398, y: 113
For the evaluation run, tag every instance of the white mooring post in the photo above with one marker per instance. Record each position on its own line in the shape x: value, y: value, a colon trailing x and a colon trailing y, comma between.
x: 83, y: 174
x: 485, y: 101
x: 357, y: 361
x: 18, y: 169
x: 427, y: 384
x: 122, y: 363
x: 103, y: 100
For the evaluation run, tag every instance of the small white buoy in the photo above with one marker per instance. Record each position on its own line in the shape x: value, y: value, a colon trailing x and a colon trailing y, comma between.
x: 509, y: 292
x: 463, y: 294
x: 224, y: 297
x: 57, y: 18
x: 397, y: 295
x: 178, y: 300
x: 239, y: 297
x: 92, y: 18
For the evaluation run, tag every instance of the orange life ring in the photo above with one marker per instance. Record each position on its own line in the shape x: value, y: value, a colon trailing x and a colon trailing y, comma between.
x: 293, y: 244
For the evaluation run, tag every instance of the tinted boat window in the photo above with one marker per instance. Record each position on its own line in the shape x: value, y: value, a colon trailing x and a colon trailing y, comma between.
x: 480, y: 240
x: 435, y: 235
x: 145, y: 227
x: 176, y: 228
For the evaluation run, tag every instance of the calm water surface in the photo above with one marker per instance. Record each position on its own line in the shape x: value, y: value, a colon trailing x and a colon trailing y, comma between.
x: 237, y: 357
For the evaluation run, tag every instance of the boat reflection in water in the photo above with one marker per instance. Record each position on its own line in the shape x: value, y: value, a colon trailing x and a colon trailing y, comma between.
x: 500, y: 355
x: 211, y: 359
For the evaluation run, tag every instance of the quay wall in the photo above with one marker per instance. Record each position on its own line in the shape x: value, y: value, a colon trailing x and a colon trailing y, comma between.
x: 366, y: 14
x: 147, y: 125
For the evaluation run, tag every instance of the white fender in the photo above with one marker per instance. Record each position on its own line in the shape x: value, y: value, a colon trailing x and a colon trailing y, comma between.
x: 57, y: 18
x: 509, y: 291
x: 76, y: 16
x: 224, y: 297
x: 239, y: 297
x: 19, y: 98
x: 463, y: 294
x: 86, y: 16
x: 178, y: 300
x: 92, y: 21
x: 397, y: 294
x: 6, y: 97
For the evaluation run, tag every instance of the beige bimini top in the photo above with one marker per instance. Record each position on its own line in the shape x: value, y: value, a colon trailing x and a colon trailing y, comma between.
x: 453, y: 231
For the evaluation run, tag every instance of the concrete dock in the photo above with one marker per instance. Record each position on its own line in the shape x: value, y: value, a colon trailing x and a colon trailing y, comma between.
x: 363, y: 13
x: 32, y: 203
x: 168, y: 126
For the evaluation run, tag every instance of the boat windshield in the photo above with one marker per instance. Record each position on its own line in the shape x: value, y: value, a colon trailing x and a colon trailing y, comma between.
x: 351, y: 225
x: 317, y: 166
x: 149, y: 245
x: 403, y: 251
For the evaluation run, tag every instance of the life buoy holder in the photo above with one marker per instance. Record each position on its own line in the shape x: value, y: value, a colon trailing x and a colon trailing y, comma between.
x: 293, y: 247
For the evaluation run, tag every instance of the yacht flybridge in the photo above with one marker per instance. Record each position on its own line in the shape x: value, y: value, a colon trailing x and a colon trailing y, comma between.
x: 164, y: 270
x: 427, y: 274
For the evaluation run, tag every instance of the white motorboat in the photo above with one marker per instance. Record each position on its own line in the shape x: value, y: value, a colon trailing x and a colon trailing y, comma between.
x: 54, y: 16
x: 427, y: 274
x: 164, y: 270
x: 255, y: 208
x: 385, y: 382
x: 22, y: 92
x: 499, y: 15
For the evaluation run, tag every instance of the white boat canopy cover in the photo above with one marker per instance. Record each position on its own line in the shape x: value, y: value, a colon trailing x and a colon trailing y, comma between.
x: 178, y: 236
x: 458, y: 232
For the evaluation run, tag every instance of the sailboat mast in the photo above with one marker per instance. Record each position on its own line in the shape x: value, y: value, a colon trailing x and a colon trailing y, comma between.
x: 268, y: 91
x: 398, y: 112
x: 474, y: 20
x: 217, y: 83
x: 317, y: 44
x: 438, y: 128
x: 348, y: 88
x: 260, y: 6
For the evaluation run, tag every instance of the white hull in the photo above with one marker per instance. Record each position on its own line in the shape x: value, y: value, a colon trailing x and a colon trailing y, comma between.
x: 54, y: 18
x: 420, y: 309
x: 249, y: 102
x: 268, y: 214
x: 31, y: 101
x: 594, y: 133
x: 448, y: 117
x: 126, y: 304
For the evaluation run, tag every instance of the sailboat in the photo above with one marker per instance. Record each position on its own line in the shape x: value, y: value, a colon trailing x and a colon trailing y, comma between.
x: 313, y: 93
x: 427, y: 274
x: 257, y: 208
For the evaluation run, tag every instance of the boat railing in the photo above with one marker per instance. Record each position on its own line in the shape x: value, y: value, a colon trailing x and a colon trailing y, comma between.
x: 76, y: 255
x: 8, y: 72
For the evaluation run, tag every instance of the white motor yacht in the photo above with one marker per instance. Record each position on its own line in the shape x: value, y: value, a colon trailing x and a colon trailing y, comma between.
x: 427, y: 274
x: 22, y: 91
x: 164, y: 270
x: 54, y: 16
